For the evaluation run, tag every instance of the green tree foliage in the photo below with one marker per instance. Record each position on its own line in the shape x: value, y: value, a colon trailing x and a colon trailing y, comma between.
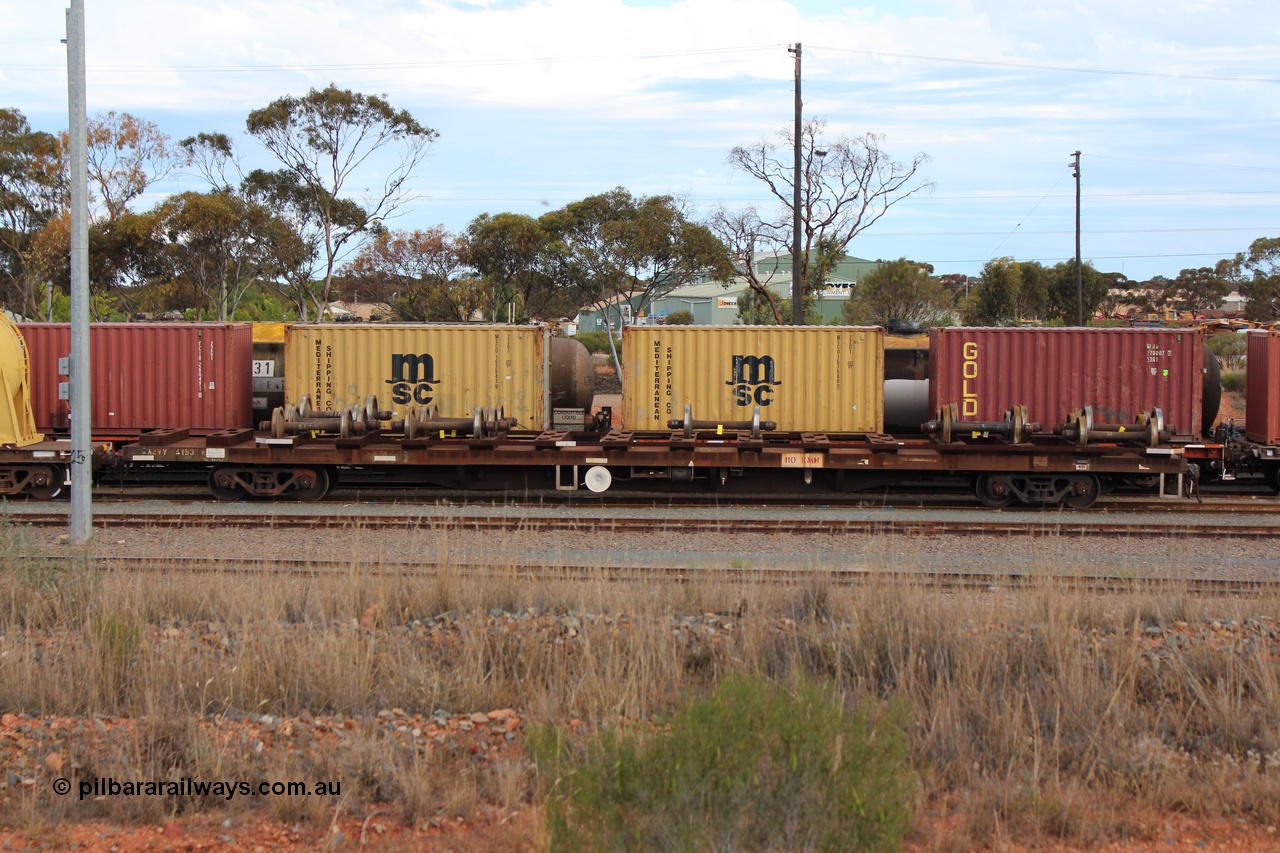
x: 898, y: 290
x: 1197, y: 290
x: 294, y: 235
x: 678, y: 318
x: 213, y: 244
x: 422, y: 274
x: 1009, y: 292
x: 1260, y: 270
x: 846, y: 185
x: 615, y: 247
x: 749, y: 767
x: 124, y: 252
x: 641, y: 248
x: 518, y: 260
x: 995, y: 300
x: 1230, y: 350
x: 1033, y: 291
x: 1061, y: 287
x: 322, y: 140
x: 753, y: 311
x: 32, y: 194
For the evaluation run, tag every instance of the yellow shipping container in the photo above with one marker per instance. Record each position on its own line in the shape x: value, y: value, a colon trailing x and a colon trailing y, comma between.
x: 269, y: 333
x: 807, y: 378
x: 455, y: 368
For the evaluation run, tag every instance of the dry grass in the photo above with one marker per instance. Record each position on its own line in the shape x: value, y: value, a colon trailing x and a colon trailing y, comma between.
x: 1033, y: 713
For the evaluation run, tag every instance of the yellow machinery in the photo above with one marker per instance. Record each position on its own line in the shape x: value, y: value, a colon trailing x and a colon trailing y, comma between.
x: 17, y: 424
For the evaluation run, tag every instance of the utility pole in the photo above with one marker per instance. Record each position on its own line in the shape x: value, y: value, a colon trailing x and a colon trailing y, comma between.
x: 797, y: 282
x: 1075, y: 166
x: 81, y: 411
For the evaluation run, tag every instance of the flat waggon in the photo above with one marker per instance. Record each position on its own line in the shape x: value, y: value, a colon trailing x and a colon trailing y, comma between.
x: 1040, y: 416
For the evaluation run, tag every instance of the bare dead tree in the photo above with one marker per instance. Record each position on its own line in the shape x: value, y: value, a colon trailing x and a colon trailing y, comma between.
x: 847, y: 185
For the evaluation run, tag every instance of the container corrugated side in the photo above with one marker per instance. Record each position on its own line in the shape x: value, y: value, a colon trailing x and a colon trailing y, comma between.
x: 148, y: 375
x: 455, y: 368
x: 1120, y: 373
x: 807, y: 378
x: 1262, y: 387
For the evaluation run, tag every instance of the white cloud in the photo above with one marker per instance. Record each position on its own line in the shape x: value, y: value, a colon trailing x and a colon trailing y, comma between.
x: 564, y: 97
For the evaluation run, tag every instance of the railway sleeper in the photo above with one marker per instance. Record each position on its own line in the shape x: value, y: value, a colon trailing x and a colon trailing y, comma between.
x: 1073, y: 490
x: 303, y: 483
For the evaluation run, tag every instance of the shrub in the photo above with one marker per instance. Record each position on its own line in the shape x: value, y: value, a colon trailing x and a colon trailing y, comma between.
x: 678, y: 318
x: 593, y: 341
x: 1230, y: 350
x: 1233, y: 381
x: 749, y: 767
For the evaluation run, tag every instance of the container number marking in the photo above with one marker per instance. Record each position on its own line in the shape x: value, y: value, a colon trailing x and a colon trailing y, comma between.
x: 803, y: 460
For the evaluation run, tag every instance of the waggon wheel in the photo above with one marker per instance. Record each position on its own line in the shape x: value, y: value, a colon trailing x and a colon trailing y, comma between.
x: 46, y: 482
x: 1083, y: 493
x: 994, y: 490
x: 223, y: 485
x: 312, y: 484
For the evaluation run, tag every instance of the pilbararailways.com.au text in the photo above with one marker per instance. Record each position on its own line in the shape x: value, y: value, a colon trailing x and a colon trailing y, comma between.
x: 188, y: 787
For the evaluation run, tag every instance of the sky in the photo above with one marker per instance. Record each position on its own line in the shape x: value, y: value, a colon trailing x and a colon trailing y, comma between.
x: 1173, y: 104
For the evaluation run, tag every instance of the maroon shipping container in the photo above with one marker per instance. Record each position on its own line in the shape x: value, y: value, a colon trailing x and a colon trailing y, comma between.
x: 148, y: 375
x: 1119, y: 372
x: 1262, y: 387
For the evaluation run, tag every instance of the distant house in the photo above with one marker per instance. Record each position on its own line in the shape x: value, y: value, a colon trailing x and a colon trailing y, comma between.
x: 1233, y: 304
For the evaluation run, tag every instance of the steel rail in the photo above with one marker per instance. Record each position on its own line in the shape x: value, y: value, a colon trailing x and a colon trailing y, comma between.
x: 1261, y: 505
x: 842, y: 577
x: 1034, y: 526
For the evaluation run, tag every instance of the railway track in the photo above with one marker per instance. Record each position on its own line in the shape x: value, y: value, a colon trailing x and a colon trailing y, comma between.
x: 944, y: 496
x: 944, y: 581
x: 1033, y: 525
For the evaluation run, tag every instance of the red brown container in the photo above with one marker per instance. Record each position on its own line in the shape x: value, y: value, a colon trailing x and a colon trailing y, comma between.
x: 1120, y: 373
x: 1262, y: 387
x: 147, y: 376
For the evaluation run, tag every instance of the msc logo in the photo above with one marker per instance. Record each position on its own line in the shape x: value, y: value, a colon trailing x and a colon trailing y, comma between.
x: 753, y: 380
x: 412, y: 378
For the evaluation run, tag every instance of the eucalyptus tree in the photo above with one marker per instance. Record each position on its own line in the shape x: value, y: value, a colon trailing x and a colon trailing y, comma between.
x: 326, y: 142
x: 617, y: 248
x: 32, y: 195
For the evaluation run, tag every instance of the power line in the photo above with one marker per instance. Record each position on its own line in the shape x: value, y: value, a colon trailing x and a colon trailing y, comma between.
x: 1090, y: 231
x: 1191, y: 165
x: 1024, y: 218
x: 392, y: 66
x: 976, y: 198
x: 1035, y: 67
x: 1218, y: 255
